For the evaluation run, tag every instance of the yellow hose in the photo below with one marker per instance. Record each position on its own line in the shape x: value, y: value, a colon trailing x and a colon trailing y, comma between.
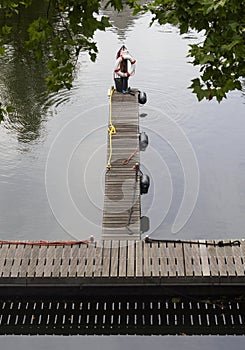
x: 111, y: 130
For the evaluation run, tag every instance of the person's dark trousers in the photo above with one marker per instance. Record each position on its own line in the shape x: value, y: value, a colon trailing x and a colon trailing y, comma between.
x: 124, y: 84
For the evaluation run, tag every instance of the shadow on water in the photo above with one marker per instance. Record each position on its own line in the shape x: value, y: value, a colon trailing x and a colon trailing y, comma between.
x: 122, y: 315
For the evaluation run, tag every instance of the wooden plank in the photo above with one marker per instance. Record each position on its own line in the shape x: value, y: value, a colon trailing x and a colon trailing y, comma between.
x: 49, y: 261
x: 9, y: 260
x: 229, y: 260
x: 24, y: 263
x: 172, y: 262
x: 64, y: 267
x: 131, y: 259
x: 15, y: 270
x: 41, y: 261
x: 196, y: 260
x: 81, y: 266
x: 163, y: 260
x: 212, y: 255
x: 123, y: 258
x: 31, y: 270
x: 220, y: 254
x: 57, y: 261
x: 237, y: 254
x: 204, y: 259
x: 242, y: 249
x: 147, y: 259
x: 188, y: 259
x: 180, y: 259
x: 106, y: 259
x: 98, y: 260
x: 89, y: 268
x: 74, y: 260
x: 114, y: 258
x: 155, y: 260
x: 139, y: 258
x: 3, y: 253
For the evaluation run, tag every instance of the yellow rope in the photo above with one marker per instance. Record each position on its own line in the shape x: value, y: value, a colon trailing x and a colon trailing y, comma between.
x: 111, y: 130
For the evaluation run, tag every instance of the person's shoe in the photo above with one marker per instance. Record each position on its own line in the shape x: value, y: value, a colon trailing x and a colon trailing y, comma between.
x: 123, y: 91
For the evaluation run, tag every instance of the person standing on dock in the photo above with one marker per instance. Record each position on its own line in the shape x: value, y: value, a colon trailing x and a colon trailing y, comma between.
x: 121, y: 72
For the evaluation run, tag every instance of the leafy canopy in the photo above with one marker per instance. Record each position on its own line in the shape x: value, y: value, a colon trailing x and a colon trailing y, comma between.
x: 68, y: 27
x: 221, y: 54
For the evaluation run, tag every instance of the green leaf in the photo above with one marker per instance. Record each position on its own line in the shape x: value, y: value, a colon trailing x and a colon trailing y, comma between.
x: 205, y: 58
x: 197, y: 89
x: 2, y: 50
x: 6, y: 30
x: 92, y: 56
x: 230, y: 46
x: 220, y: 94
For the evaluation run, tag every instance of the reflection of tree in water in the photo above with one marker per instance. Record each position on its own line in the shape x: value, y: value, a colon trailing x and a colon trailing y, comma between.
x: 22, y: 78
x: 122, y: 21
x: 24, y: 89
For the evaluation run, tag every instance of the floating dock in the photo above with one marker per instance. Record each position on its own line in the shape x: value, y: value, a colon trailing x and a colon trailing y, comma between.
x: 121, y: 214
x: 123, y: 264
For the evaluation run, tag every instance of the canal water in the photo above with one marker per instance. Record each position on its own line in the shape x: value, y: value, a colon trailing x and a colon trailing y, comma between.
x: 53, y: 153
x: 53, y: 156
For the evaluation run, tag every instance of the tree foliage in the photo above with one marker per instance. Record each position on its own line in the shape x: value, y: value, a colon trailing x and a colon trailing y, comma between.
x: 68, y: 27
x: 221, y: 54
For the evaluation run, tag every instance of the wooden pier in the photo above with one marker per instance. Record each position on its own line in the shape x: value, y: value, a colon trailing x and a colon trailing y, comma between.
x: 123, y: 264
x: 121, y: 259
x: 121, y: 214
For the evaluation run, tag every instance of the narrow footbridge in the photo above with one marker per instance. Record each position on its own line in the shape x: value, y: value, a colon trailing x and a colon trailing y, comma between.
x: 121, y: 215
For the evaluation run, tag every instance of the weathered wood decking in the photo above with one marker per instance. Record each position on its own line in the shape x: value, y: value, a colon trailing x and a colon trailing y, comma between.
x: 121, y: 215
x: 123, y: 263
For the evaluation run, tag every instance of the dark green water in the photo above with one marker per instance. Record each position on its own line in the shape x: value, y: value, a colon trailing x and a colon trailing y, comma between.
x: 53, y: 158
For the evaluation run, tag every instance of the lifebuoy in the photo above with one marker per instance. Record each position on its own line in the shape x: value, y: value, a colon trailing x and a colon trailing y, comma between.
x: 131, y: 71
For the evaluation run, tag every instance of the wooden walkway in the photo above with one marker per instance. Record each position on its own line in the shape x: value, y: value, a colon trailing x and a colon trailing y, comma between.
x: 123, y: 263
x: 121, y: 214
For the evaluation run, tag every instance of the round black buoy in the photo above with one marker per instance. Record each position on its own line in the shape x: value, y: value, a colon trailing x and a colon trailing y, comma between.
x: 144, y: 183
x: 142, y: 97
x: 143, y: 139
